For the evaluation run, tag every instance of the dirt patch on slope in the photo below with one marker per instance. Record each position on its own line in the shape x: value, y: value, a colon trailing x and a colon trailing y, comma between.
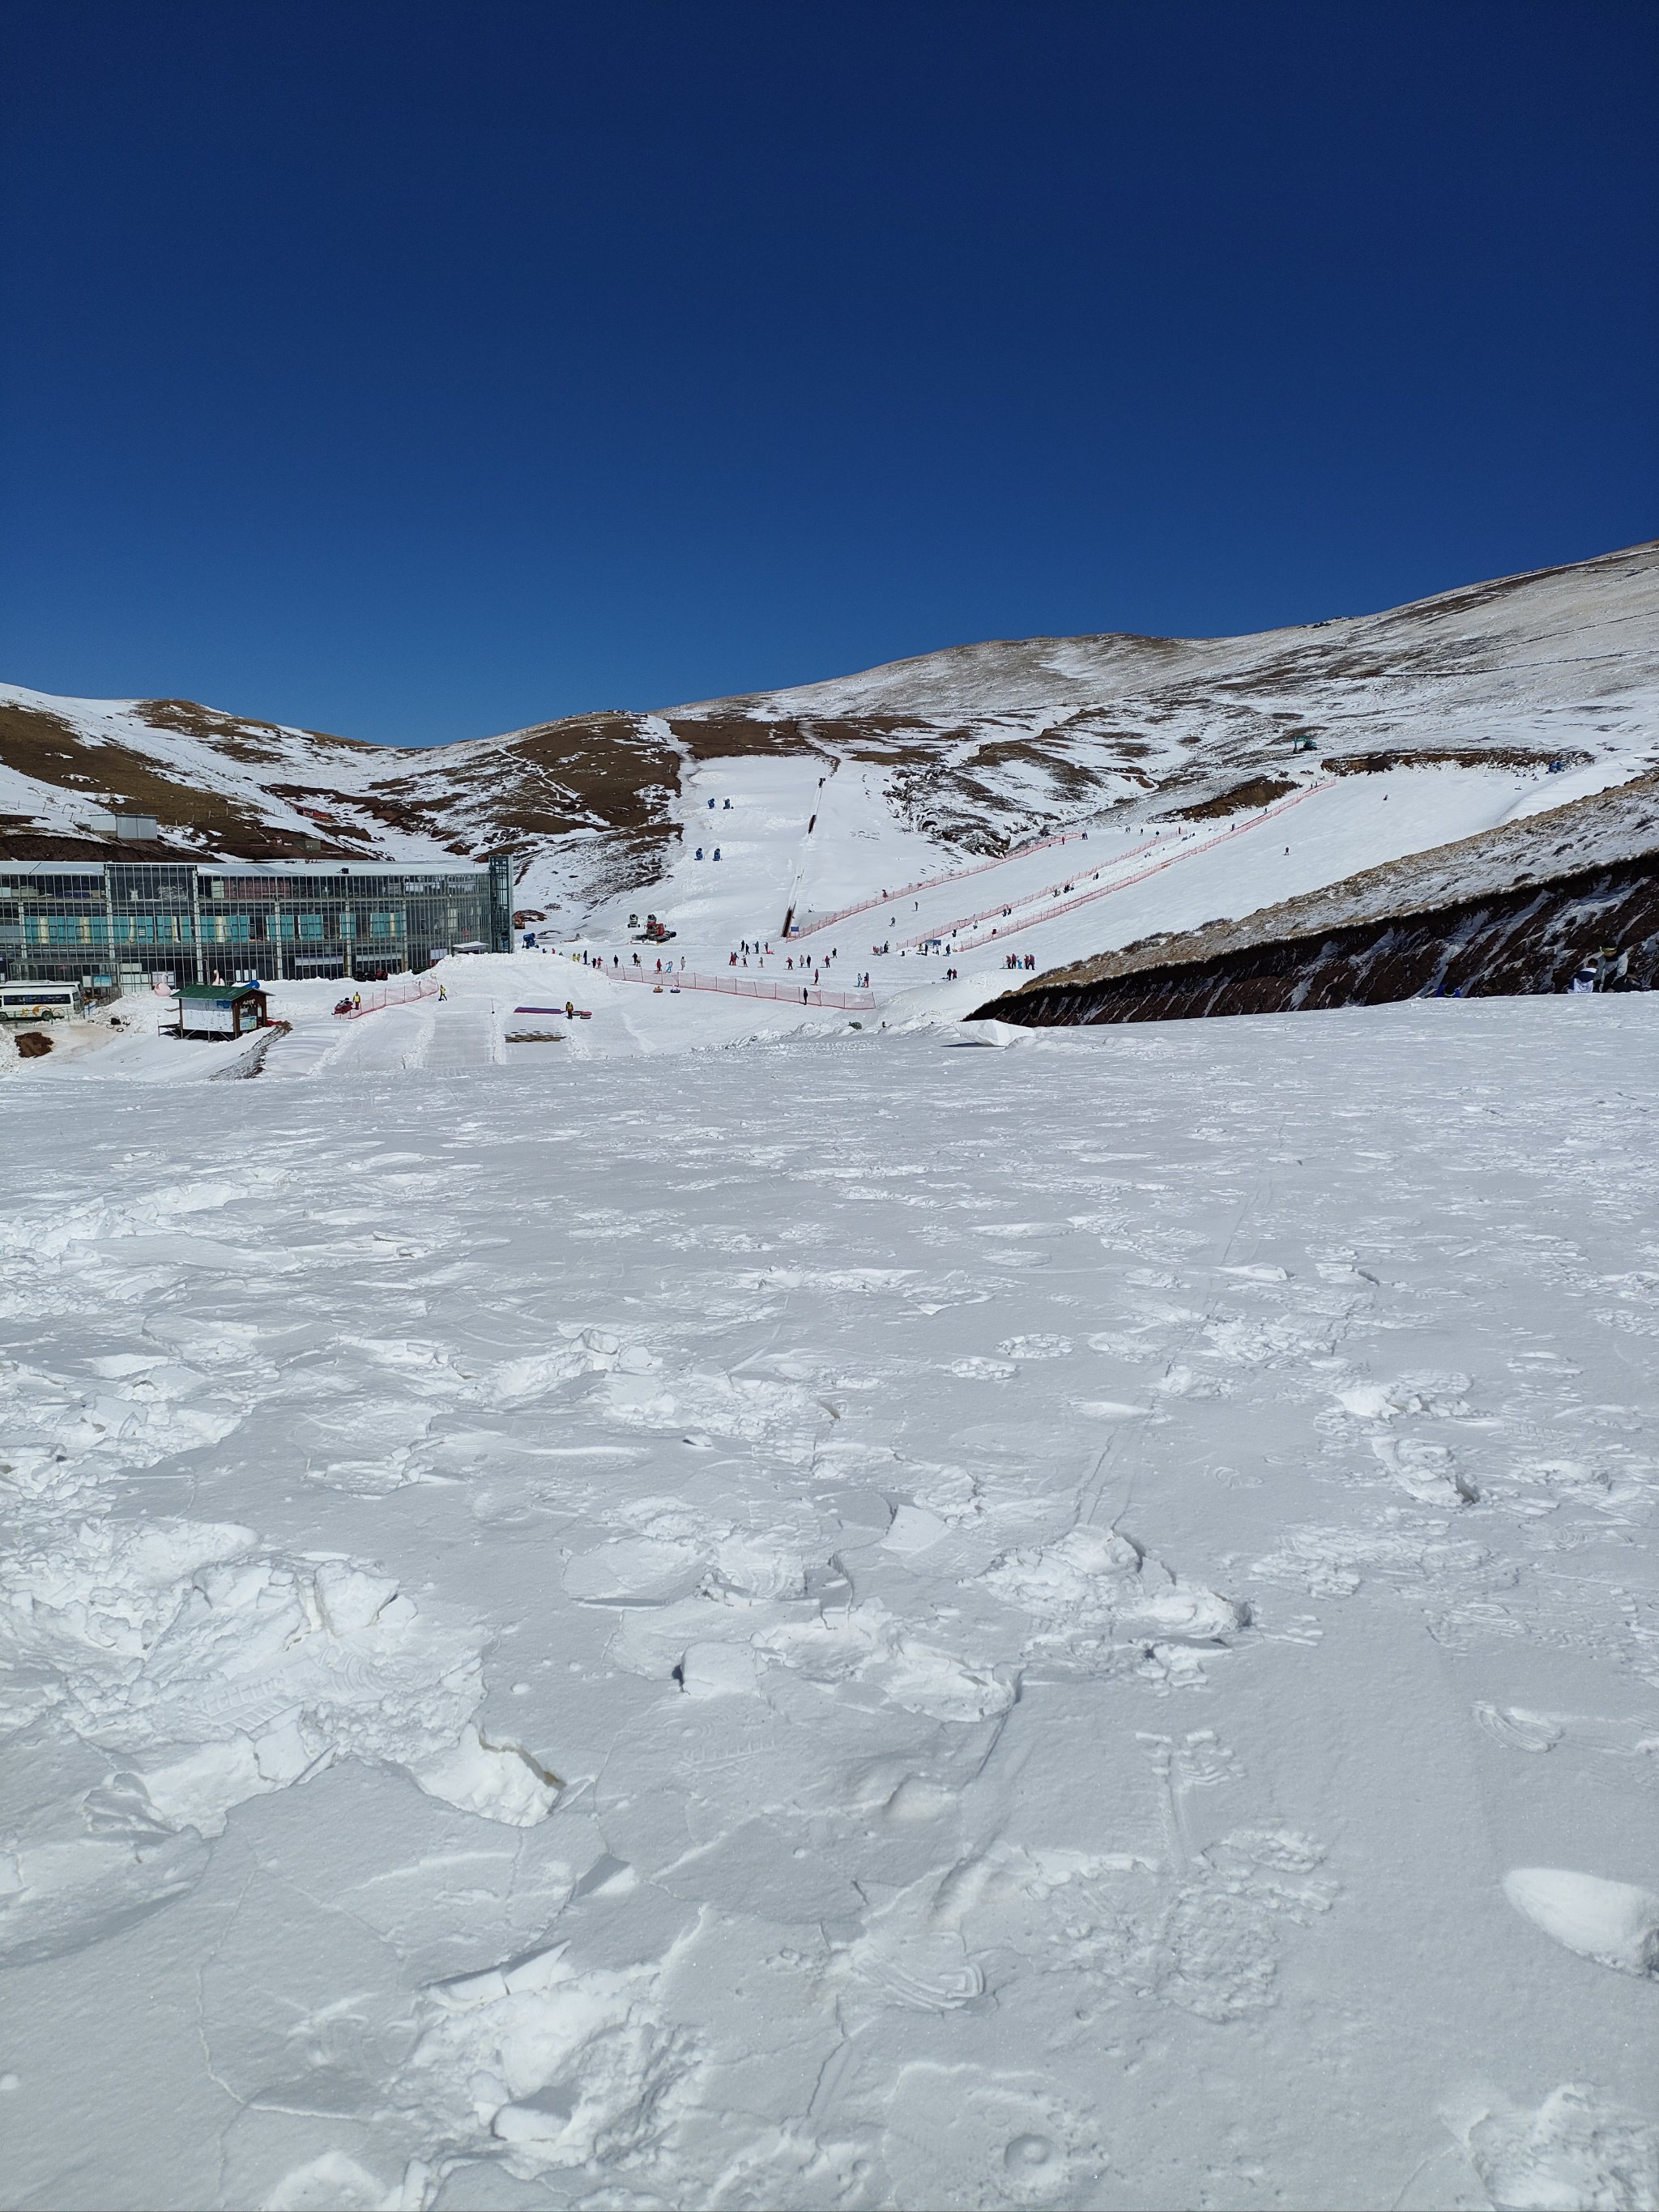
x: 26, y: 843
x: 40, y: 745
x: 1513, y: 757
x: 1259, y: 791
x: 237, y: 735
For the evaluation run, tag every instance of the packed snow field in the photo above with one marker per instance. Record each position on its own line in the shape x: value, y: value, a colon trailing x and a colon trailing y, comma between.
x: 856, y: 1622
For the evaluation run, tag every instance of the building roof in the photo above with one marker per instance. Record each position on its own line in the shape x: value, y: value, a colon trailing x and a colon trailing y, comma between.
x: 320, y: 870
x: 323, y: 870
x: 51, y: 867
x: 219, y: 994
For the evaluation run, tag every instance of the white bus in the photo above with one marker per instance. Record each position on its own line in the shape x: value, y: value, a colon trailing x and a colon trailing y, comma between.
x: 40, y: 1002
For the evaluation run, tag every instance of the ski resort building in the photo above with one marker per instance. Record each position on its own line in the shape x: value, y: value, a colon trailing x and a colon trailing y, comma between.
x: 110, y: 924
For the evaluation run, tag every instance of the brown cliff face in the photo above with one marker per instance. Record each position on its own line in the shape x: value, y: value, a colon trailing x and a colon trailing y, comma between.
x: 1503, y: 943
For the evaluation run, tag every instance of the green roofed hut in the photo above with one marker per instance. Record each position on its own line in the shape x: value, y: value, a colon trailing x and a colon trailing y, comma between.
x: 220, y: 1010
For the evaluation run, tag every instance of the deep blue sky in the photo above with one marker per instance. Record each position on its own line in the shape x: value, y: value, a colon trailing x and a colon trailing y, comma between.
x: 420, y: 370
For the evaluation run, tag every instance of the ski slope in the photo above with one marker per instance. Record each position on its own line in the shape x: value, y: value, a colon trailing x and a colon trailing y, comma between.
x: 786, y: 847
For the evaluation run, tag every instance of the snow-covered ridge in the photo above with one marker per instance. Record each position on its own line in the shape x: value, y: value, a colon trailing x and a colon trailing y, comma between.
x: 1593, y: 616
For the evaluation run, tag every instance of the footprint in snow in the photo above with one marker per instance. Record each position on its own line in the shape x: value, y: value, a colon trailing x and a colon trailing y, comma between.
x: 84, y: 1871
x: 1517, y: 1728
x: 1576, y: 2149
x: 965, y: 2136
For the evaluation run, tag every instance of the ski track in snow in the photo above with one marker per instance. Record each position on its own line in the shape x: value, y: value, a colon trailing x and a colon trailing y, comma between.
x: 839, y: 1625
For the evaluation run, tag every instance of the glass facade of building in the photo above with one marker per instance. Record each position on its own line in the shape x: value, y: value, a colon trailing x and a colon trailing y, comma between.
x: 107, y: 923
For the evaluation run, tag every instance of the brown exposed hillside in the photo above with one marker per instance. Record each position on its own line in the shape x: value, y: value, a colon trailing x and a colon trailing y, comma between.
x: 191, y: 819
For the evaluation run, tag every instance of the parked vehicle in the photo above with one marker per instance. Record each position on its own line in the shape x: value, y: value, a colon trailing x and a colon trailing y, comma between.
x: 40, y: 1002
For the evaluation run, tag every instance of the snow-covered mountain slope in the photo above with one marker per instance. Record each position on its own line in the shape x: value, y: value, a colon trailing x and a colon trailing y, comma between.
x: 588, y: 797
x: 997, y: 740
x: 967, y: 750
